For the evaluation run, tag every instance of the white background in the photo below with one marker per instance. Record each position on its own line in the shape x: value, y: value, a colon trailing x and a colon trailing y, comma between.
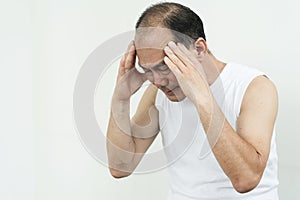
x: 43, y: 45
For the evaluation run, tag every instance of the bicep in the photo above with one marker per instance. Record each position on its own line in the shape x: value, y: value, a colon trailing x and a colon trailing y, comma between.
x: 258, y: 114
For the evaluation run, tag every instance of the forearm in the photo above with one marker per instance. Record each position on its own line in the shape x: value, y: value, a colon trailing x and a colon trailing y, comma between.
x: 240, y: 161
x: 120, y: 143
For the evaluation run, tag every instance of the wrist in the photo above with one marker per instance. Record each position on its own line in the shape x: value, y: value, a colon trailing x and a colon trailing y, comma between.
x: 117, y: 100
x: 204, y: 103
x: 120, y: 106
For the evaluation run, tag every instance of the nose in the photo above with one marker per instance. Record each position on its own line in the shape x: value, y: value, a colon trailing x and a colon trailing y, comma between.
x: 159, y: 80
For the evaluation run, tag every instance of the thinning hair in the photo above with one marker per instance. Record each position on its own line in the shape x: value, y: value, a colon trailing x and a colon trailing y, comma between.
x: 177, y: 18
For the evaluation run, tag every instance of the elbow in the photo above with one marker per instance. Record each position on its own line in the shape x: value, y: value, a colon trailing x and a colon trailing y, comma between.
x: 248, y: 179
x: 118, y: 174
x: 244, y: 185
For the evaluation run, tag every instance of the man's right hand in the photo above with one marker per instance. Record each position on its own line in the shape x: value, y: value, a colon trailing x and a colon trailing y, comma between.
x: 128, y: 139
x: 129, y: 80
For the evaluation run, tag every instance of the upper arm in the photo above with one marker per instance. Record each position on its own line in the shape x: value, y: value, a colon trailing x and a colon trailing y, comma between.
x: 258, y: 114
x: 144, y: 124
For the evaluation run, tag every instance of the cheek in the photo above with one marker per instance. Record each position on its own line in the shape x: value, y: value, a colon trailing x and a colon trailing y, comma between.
x: 172, y: 77
x: 149, y: 77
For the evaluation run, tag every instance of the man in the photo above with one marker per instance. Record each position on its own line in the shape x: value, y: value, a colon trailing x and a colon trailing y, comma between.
x: 193, y: 95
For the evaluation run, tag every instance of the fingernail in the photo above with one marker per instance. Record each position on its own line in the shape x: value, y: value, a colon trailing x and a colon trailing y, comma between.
x: 167, y: 49
x: 131, y: 48
x: 172, y: 44
x: 123, y: 58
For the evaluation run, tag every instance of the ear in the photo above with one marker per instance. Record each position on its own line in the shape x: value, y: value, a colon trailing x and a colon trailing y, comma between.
x: 201, y: 48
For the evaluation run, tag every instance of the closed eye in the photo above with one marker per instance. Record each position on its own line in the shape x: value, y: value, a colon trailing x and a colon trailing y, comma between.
x: 163, y: 68
x: 141, y: 69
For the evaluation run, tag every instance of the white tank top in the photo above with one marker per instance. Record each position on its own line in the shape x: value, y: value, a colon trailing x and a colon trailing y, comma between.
x: 194, y: 172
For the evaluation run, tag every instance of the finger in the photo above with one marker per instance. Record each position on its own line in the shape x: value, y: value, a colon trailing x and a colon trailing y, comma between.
x: 128, y: 48
x: 194, y: 61
x: 173, y: 67
x: 175, y: 60
x: 122, y: 66
x: 123, y: 60
x: 130, y: 59
x: 182, y: 55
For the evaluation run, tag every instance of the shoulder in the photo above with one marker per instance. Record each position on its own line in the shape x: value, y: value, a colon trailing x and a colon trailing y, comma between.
x: 261, y: 91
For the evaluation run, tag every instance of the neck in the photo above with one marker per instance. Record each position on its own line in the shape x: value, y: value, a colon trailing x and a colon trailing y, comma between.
x: 212, y: 67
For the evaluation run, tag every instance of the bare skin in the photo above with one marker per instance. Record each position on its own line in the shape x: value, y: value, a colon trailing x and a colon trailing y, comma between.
x: 242, y: 154
x: 125, y: 146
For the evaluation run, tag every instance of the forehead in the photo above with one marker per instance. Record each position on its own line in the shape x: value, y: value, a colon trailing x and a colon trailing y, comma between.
x: 149, y: 43
x: 149, y: 58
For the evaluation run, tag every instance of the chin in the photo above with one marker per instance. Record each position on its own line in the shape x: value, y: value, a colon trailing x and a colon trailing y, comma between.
x: 175, y: 98
x: 172, y: 98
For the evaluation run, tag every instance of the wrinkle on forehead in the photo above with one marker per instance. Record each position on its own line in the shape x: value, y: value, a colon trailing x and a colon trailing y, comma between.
x: 150, y: 57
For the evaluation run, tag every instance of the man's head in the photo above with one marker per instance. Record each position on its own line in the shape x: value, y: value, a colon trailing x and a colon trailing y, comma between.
x: 158, y: 25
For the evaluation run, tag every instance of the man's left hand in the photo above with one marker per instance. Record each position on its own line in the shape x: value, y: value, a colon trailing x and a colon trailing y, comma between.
x: 188, y: 71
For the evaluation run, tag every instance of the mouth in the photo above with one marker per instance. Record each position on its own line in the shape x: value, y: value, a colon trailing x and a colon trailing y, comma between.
x: 170, y: 92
